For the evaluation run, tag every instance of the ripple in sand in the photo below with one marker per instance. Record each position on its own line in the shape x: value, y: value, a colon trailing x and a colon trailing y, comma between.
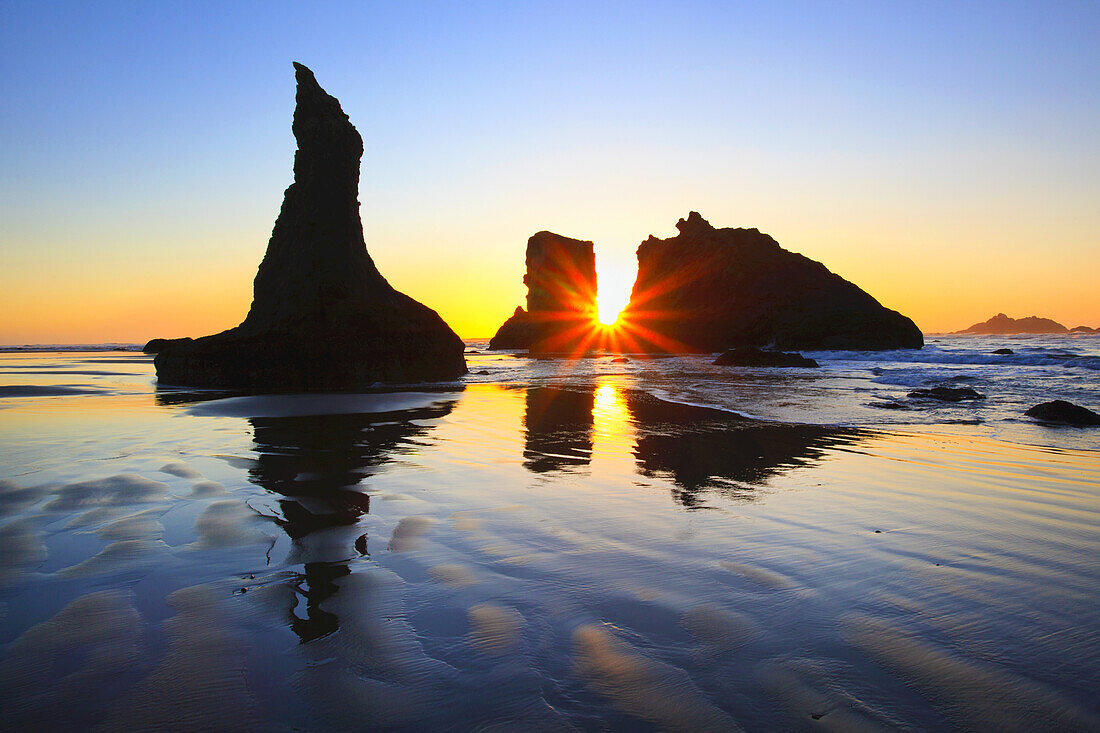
x: 178, y: 468
x: 202, y: 489
x: 65, y: 667
x: 14, y: 499
x: 758, y: 575
x: 141, y: 526
x: 346, y: 700
x: 717, y: 629
x: 97, y: 516
x: 494, y: 629
x: 120, y: 490
x: 21, y: 548
x: 811, y: 691
x: 465, y: 522
x: 118, y: 556
x: 201, y: 682
x: 642, y: 687
x: 227, y: 524
x: 406, y: 535
x: 970, y: 694
x: 456, y: 576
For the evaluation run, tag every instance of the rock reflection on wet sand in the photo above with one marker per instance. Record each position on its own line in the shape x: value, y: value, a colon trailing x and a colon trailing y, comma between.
x: 544, y: 559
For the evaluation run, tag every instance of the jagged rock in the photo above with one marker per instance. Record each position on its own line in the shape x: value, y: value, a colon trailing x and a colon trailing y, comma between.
x: 155, y: 346
x: 947, y: 394
x: 710, y: 289
x: 1002, y: 324
x: 1060, y: 411
x: 749, y: 356
x: 561, y: 298
x: 322, y: 316
x: 1003, y: 352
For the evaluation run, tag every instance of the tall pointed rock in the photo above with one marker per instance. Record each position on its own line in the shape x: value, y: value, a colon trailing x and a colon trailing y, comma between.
x: 322, y: 316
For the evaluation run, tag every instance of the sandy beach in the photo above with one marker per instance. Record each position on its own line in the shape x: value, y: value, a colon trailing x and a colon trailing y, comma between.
x: 531, y: 556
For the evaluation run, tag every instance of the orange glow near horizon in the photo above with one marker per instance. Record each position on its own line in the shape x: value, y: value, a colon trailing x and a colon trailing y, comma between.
x: 614, y: 281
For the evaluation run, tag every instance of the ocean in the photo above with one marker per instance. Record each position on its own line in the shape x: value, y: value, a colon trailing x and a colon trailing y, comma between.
x: 617, y: 542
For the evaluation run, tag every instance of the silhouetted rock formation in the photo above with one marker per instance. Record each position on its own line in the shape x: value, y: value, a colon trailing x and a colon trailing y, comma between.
x: 1001, y: 323
x: 1084, y: 329
x: 710, y: 289
x: 322, y: 316
x: 1003, y: 352
x: 561, y: 298
x: 1060, y: 411
x: 158, y: 345
x: 947, y: 394
x: 749, y: 356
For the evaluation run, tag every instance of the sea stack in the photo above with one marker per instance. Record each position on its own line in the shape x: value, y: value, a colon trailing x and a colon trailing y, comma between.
x: 322, y: 317
x: 561, y: 298
x: 1002, y: 324
x: 710, y: 289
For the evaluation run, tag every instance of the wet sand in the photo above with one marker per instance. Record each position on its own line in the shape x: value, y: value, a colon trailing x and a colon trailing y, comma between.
x: 533, y: 558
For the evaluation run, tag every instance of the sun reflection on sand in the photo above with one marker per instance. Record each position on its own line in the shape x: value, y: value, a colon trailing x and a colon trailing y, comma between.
x: 613, y: 428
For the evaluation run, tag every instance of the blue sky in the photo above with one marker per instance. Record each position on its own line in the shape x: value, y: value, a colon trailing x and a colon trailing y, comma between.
x: 149, y: 143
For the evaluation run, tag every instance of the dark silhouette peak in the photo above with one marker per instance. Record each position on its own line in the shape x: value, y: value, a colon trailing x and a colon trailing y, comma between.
x: 317, y: 258
x: 544, y: 237
x: 694, y: 225
x: 561, y: 296
x: 710, y: 289
x: 329, y: 146
x: 322, y: 316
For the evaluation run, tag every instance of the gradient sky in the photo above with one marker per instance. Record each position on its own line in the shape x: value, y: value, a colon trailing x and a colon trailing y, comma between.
x: 943, y: 156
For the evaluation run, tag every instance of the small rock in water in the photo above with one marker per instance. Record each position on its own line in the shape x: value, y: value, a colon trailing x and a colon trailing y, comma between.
x: 884, y: 405
x: 1060, y: 411
x: 620, y: 360
x: 361, y: 545
x: 1004, y: 351
x: 948, y: 394
x: 752, y: 357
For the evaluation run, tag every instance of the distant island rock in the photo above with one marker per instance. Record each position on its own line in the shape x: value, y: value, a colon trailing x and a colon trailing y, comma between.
x: 748, y: 356
x: 1084, y: 329
x: 710, y: 289
x: 322, y: 317
x: 704, y: 290
x: 1060, y: 411
x: 1002, y: 324
x: 561, y: 298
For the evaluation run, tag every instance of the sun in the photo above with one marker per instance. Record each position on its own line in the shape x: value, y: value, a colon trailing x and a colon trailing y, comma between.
x: 613, y: 292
